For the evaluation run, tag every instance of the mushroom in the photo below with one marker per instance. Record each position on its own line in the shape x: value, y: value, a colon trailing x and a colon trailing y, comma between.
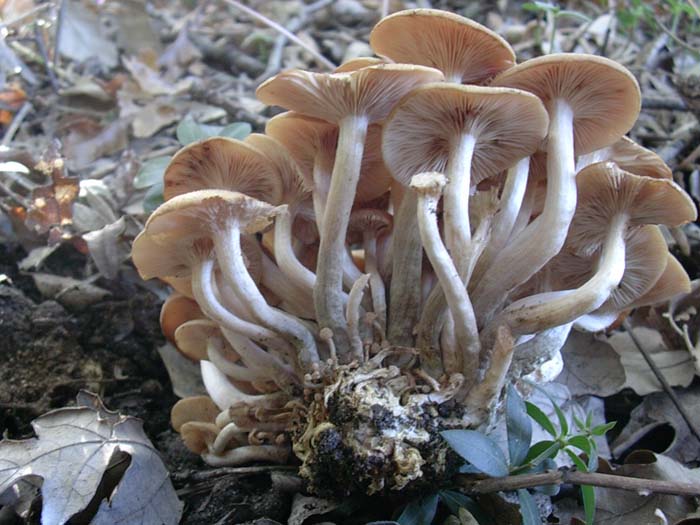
x: 353, y: 100
x: 592, y: 102
x: 176, y: 310
x: 631, y: 157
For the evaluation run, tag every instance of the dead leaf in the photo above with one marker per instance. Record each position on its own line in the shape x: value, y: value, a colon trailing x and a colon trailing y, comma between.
x: 303, y: 507
x: 71, y: 453
x: 107, y: 248
x: 675, y: 365
x: 82, y: 37
x: 153, y: 117
x: 185, y: 375
x: 36, y: 256
x: 591, y: 366
x: 82, y: 151
x: 68, y: 291
x: 150, y: 80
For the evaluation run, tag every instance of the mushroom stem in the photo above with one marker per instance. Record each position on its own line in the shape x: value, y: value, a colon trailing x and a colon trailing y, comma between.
x: 369, y: 241
x: 503, y: 222
x: 518, y: 261
x: 455, y: 292
x: 228, y: 250
x: 248, y: 454
x: 542, y: 311
x: 274, y: 280
x: 232, y: 370
x: 328, y: 292
x: 227, y: 434
x: 456, y: 202
x: 286, y: 259
x: 353, y: 315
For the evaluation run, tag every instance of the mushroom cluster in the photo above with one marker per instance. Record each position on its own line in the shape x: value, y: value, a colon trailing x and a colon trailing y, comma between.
x: 416, y: 231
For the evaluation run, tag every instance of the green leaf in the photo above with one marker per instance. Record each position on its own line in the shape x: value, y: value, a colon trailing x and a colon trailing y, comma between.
x: 581, y: 443
x: 188, y: 131
x: 593, y: 456
x: 588, y: 495
x: 577, y: 460
x: 579, y: 424
x: 600, y: 430
x: 237, y: 130
x: 153, y: 197
x: 536, y: 413
x: 420, y: 512
x: 455, y: 500
x: 479, y: 450
x: 542, y: 450
x: 518, y: 426
x: 151, y: 172
x: 528, y: 508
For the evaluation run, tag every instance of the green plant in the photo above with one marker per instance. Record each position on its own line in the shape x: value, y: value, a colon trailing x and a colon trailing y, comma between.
x: 553, y: 12
x: 150, y: 176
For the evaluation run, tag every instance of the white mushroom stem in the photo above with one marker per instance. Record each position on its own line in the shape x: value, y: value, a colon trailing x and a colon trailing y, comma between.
x: 449, y: 348
x: 328, y: 292
x: 455, y: 292
x: 519, y: 261
x: 542, y: 311
x: 504, y: 220
x: 234, y: 371
x: 353, y: 315
x: 246, y: 455
x: 286, y: 259
x: 369, y: 241
x: 538, y: 349
x: 227, y: 244
x: 231, y: 432
x: 456, y: 202
x: 293, y: 296
x: 321, y: 178
x: 224, y: 394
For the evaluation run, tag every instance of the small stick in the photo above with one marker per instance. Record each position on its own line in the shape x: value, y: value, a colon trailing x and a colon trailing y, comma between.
x: 41, y: 45
x: 559, y: 477
x: 29, y: 14
x: 16, y: 122
x: 659, y: 375
x: 280, y: 29
x: 229, y: 471
x: 653, y: 103
x: 59, y: 24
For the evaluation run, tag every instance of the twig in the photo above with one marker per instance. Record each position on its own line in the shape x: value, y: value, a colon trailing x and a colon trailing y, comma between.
x: 41, y: 45
x: 559, y: 477
x: 59, y: 24
x: 29, y: 14
x: 16, y: 122
x: 653, y: 103
x: 659, y: 375
x: 206, y: 475
x: 280, y: 29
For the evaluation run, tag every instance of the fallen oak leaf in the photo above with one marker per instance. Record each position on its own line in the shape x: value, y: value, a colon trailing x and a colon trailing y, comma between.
x: 72, y: 451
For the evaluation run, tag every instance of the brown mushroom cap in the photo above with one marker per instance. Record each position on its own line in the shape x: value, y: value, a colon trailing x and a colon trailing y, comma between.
x: 605, y: 190
x: 196, y: 408
x: 182, y: 285
x: 674, y: 281
x: 371, y: 91
x: 198, y: 436
x: 603, y: 95
x: 462, y: 49
x: 358, y: 63
x: 509, y: 124
x: 631, y: 157
x: 176, y: 310
x: 191, y: 337
x: 363, y: 220
x: 222, y: 163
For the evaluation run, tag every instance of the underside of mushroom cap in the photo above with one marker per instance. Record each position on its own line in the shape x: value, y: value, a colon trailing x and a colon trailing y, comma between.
x: 508, y: 124
x: 370, y: 91
x: 631, y: 157
x: 603, y: 95
x: 605, y: 190
x: 673, y: 281
x: 176, y: 310
x: 195, y: 408
x: 455, y: 45
x: 191, y: 337
x: 222, y: 163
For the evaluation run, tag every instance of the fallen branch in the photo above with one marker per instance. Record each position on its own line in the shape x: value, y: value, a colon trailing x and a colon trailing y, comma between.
x: 560, y: 477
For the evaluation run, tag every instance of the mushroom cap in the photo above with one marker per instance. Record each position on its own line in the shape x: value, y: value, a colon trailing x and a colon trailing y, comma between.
x: 196, y: 408
x: 673, y: 281
x: 604, y: 190
x: 222, y: 163
x: 358, y: 63
x: 603, y: 95
x: 191, y: 337
x: 374, y: 175
x: 370, y: 91
x: 182, y: 285
x: 631, y: 157
x: 455, y: 45
x: 429, y: 183
x: 294, y: 187
x: 176, y: 310
x: 509, y: 124
x: 368, y: 219
x: 198, y: 435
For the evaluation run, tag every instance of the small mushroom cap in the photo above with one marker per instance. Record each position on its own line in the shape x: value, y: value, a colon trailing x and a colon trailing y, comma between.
x: 508, y: 124
x: 429, y: 183
x: 674, y: 281
x: 198, y: 436
x: 370, y: 91
x: 455, y: 45
x: 196, y: 408
x: 631, y: 157
x: 604, y: 190
x: 603, y: 95
x: 176, y: 310
x: 375, y: 178
x: 222, y: 163
x: 191, y: 337
x: 358, y: 63
x: 363, y: 220
x: 182, y: 285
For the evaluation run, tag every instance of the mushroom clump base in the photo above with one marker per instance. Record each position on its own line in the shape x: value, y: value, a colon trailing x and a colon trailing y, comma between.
x: 415, y: 232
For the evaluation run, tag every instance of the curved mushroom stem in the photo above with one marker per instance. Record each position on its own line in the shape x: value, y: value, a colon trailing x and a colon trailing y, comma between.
x: 248, y: 454
x: 456, y: 202
x: 353, y: 315
x: 518, y: 261
x: 292, y: 296
x: 231, y: 432
x: 452, y: 285
x: 451, y: 361
x: 286, y: 259
x: 228, y: 250
x: 328, y: 292
x: 503, y: 222
x: 369, y: 241
x: 542, y: 311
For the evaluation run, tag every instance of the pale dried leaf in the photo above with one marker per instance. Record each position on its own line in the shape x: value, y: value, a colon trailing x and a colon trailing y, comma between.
x: 591, y: 366
x: 68, y: 291
x: 73, y: 448
x: 304, y: 507
x: 37, y: 256
x: 150, y: 81
x: 153, y: 117
x: 81, y: 153
x: 107, y: 249
x: 82, y: 36
x: 185, y: 375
